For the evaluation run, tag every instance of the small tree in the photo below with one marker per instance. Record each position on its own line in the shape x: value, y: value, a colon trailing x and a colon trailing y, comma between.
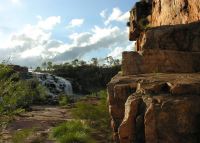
x: 49, y: 66
x: 75, y: 62
x: 44, y: 65
x: 38, y: 69
x: 94, y: 61
x: 82, y: 63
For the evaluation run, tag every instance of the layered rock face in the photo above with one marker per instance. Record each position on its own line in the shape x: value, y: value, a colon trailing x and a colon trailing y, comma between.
x: 156, y: 98
x: 168, y: 61
x: 171, y: 12
x: 155, y: 108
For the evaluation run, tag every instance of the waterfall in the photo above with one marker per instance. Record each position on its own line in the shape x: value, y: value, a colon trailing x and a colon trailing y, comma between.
x: 54, y: 84
x: 67, y: 85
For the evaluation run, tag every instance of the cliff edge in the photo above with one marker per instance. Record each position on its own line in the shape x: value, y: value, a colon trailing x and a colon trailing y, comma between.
x: 156, y: 98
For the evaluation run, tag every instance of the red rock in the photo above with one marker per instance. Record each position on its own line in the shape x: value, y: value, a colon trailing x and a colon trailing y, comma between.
x: 160, y: 61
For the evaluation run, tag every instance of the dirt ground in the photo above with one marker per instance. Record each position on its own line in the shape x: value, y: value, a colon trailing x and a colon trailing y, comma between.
x: 41, y: 119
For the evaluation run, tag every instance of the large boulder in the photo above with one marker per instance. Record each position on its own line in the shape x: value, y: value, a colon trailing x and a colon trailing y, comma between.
x: 160, y: 61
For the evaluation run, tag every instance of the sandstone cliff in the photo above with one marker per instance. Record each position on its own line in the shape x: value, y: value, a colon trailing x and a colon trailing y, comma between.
x: 171, y: 12
x: 156, y: 99
x: 155, y: 108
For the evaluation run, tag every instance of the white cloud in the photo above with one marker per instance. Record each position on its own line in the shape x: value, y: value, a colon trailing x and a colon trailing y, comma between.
x: 34, y: 52
x: 101, y: 33
x: 75, y: 23
x: 117, y: 15
x: 80, y: 39
x: 117, y: 51
x: 34, y: 44
x: 49, y: 23
x: 99, y: 38
x: 103, y: 14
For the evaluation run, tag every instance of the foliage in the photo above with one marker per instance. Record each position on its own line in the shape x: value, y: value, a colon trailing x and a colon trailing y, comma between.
x: 86, y: 77
x: 86, y: 111
x: 74, y: 131
x: 92, y: 111
x: 49, y: 66
x: 38, y: 69
x: 5, y: 71
x: 15, y: 93
x: 65, y: 100
x: 22, y: 135
x: 97, y: 114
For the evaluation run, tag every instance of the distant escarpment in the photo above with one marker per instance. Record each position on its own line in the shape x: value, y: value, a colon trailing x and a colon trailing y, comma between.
x: 156, y: 98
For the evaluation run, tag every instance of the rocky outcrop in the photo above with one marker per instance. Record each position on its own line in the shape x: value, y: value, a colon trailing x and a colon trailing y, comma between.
x: 155, y: 61
x: 155, y: 13
x: 161, y: 119
x: 160, y: 108
x: 172, y: 12
x: 182, y: 37
x: 156, y: 99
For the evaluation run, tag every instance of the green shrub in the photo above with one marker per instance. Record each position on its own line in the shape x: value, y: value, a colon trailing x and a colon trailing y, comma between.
x: 64, y: 100
x: 22, y: 135
x: 15, y: 93
x: 97, y: 114
x: 5, y: 71
x: 73, y: 131
x: 86, y: 111
x: 93, y: 112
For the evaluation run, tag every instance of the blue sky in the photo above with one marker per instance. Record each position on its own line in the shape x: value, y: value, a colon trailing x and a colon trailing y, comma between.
x: 33, y: 31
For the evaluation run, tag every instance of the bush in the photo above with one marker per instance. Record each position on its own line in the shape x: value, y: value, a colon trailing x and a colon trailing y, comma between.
x: 92, y: 112
x: 22, y: 135
x: 86, y: 111
x: 16, y: 94
x: 97, y: 114
x: 65, y: 100
x: 73, y: 131
x: 5, y: 71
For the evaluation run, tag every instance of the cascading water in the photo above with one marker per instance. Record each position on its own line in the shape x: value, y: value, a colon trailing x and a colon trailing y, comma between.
x: 56, y: 85
x: 67, y: 85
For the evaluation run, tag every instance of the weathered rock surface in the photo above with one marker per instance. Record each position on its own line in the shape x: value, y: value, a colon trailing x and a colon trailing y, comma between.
x: 165, y: 61
x: 159, y: 108
x: 172, y: 12
x: 118, y: 95
x: 155, y: 13
x: 177, y: 37
x: 172, y: 119
x: 157, y: 97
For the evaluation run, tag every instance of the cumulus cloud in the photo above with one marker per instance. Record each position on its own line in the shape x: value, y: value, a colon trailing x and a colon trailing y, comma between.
x: 75, y: 23
x: 117, y: 51
x: 34, y: 44
x: 31, y: 42
x: 48, y: 23
x: 117, y: 15
x: 97, y: 39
